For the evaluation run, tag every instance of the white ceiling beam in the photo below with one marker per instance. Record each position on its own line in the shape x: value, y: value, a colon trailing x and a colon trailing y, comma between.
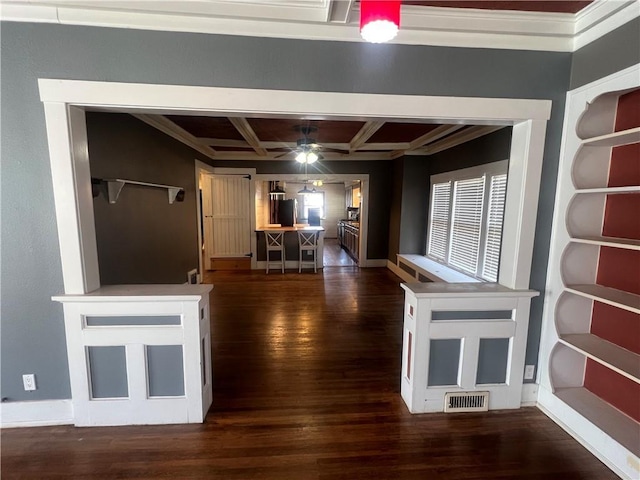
x: 162, y: 123
x: 223, y: 142
x: 433, y: 135
x: 425, y: 139
x: 290, y: 156
x: 365, y: 133
x: 242, y: 125
x: 466, y: 135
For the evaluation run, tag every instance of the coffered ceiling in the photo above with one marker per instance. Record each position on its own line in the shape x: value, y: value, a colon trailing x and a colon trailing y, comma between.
x: 240, y: 138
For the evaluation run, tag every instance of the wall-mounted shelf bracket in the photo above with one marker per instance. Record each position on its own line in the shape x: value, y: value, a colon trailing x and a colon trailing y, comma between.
x: 115, y: 186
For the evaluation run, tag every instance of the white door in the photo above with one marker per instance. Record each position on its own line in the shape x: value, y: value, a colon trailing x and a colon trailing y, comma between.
x: 227, y: 216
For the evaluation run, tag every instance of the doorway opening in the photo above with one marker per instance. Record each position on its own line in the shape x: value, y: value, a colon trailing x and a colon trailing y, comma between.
x: 65, y: 102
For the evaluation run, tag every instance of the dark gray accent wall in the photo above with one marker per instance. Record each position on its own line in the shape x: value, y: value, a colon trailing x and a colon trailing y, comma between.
x: 415, y: 204
x: 414, y: 190
x: 142, y: 238
x: 32, y: 327
x: 395, y: 215
x: 609, y: 54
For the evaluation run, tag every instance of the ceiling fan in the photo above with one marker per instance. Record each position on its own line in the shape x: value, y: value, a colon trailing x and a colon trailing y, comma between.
x: 308, y: 149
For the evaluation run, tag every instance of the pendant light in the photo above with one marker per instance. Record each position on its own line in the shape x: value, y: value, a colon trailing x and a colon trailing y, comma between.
x: 379, y: 20
x: 305, y: 190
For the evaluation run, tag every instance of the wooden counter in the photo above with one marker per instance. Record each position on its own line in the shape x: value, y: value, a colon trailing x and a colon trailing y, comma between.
x: 295, y: 228
x: 290, y: 243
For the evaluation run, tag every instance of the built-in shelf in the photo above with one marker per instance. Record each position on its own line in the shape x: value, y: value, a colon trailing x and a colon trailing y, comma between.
x: 594, y: 157
x: 115, y: 186
x: 615, y: 139
x: 610, y: 190
x: 617, y: 425
x: 609, y: 354
x: 625, y: 243
x: 610, y: 296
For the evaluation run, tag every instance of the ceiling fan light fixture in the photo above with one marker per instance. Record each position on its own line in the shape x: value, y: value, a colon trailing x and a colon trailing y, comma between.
x: 301, y: 157
x: 312, y: 157
x: 379, y: 20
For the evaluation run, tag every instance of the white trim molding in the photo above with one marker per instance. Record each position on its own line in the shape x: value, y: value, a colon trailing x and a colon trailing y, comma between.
x: 330, y: 20
x: 529, y: 395
x: 38, y: 413
x: 405, y: 276
x: 64, y: 101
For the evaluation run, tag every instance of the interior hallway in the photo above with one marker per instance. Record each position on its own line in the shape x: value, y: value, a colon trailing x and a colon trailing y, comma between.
x: 306, y: 386
x: 336, y: 256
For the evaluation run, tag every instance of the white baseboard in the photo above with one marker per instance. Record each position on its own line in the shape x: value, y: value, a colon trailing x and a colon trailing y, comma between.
x: 529, y: 395
x: 616, y: 457
x: 405, y: 276
x: 38, y: 413
x: 375, y: 263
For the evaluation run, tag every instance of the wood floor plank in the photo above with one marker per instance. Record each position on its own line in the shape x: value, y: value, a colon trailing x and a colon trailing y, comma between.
x: 306, y: 386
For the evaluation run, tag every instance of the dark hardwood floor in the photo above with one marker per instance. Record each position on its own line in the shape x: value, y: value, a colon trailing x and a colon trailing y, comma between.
x: 336, y: 256
x: 307, y: 387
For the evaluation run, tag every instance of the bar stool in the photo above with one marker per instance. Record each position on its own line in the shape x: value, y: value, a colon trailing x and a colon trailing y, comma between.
x: 275, y: 243
x: 308, y: 242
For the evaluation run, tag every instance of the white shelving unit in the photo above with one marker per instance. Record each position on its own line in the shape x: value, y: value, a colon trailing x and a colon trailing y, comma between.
x: 605, y: 353
x: 577, y: 239
x: 615, y: 139
x: 626, y: 243
x: 610, y: 296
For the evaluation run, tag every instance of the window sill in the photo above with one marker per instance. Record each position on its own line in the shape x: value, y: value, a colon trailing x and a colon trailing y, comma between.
x: 435, y: 271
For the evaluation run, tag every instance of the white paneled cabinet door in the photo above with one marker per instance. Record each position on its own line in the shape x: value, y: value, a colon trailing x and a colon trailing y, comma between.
x: 229, y: 223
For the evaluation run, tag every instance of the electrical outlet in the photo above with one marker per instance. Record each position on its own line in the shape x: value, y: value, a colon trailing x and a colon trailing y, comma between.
x: 29, y: 382
x: 192, y: 276
x: 529, y: 370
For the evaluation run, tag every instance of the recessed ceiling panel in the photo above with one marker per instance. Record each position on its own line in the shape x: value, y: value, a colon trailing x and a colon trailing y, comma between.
x: 207, y: 127
x: 284, y: 130
x: 400, y: 132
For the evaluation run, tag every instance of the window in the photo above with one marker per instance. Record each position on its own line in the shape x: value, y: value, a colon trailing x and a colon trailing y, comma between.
x: 465, y: 219
x: 312, y: 200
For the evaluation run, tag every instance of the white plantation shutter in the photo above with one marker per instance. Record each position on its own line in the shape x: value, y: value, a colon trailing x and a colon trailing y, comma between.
x: 439, y: 220
x: 466, y: 226
x: 495, y: 214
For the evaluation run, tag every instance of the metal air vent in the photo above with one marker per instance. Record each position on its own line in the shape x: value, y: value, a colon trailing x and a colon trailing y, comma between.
x: 466, y: 402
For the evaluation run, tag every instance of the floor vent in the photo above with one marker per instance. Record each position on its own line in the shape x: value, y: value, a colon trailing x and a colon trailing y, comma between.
x: 466, y: 402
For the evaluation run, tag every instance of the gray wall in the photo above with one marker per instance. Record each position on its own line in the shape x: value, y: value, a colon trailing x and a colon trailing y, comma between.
x: 415, y: 195
x: 410, y: 235
x: 395, y: 216
x: 32, y: 330
x: 142, y: 238
x: 609, y: 54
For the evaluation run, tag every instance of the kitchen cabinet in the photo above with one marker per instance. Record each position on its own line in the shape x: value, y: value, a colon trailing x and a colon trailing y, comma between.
x: 349, y: 237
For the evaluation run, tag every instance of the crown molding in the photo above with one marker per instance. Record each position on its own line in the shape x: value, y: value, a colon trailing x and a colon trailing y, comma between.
x: 602, y: 17
x: 328, y: 20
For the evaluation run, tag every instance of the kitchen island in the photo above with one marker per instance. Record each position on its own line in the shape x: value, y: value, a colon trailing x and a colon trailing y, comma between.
x: 290, y: 243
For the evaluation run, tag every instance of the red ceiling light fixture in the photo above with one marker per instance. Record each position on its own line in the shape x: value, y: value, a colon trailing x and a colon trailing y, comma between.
x: 379, y: 20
